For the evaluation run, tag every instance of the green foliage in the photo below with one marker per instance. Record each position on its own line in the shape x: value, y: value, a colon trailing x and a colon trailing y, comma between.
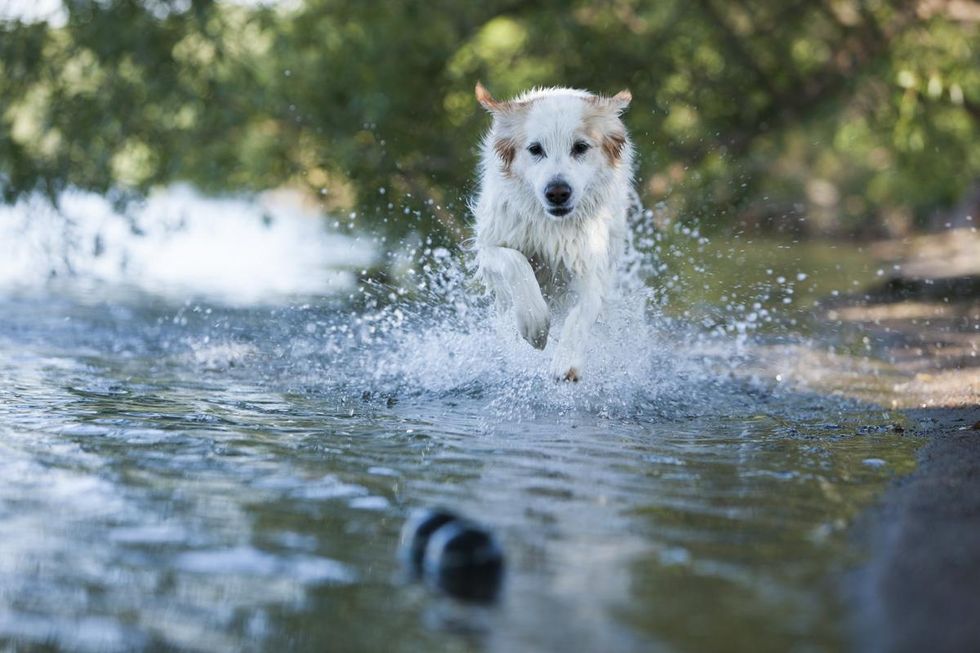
x: 834, y: 115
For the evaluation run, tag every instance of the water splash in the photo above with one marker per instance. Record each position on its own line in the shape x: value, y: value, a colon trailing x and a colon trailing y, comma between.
x: 179, y: 244
x: 433, y: 334
x: 266, y: 455
x: 428, y: 332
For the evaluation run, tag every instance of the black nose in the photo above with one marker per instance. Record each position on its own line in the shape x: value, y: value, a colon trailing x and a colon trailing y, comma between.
x: 557, y: 193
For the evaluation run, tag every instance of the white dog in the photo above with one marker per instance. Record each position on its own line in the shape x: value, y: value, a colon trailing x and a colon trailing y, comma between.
x: 556, y: 175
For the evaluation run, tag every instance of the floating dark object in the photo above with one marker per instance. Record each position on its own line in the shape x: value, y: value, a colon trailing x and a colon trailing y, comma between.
x: 416, y: 534
x: 464, y: 560
x: 453, y: 554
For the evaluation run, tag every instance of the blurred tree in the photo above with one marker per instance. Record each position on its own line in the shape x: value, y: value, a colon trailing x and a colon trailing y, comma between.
x: 809, y: 116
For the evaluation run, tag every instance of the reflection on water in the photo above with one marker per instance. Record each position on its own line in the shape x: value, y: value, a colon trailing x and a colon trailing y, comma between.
x: 217, y: 479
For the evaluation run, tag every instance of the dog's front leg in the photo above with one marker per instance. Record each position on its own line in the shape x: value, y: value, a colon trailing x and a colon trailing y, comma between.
x: 569, y: 357
x: 512, y: 280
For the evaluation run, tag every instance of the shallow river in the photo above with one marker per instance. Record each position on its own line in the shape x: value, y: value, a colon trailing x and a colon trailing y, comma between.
x: 205, y: 476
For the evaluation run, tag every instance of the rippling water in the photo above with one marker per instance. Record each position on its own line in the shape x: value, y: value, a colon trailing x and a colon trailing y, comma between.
x: 208, y: 477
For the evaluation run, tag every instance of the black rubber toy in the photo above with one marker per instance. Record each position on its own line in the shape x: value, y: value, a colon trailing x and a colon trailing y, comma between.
x: 416, y: 533
x: 454, y: 555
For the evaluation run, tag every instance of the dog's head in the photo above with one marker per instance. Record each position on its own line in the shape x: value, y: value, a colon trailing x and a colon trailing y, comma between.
x: 561, y: 144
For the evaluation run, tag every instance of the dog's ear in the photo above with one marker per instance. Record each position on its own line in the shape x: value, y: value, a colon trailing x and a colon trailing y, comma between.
x: 489, y: 103
x: 615, y: 105
x: 506, y: 113
x: 621, y: 101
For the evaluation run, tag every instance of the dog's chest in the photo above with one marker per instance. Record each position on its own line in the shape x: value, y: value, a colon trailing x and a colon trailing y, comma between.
x: 566, y: 249
x: 553, y: 279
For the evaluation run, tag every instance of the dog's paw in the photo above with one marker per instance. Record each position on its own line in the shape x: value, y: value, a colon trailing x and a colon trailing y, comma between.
x: 533, y: 325
x: 566, y: 369
x: 571, y: 375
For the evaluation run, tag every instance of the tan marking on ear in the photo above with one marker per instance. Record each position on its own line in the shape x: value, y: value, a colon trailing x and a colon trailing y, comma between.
x: 489, y: 103
x: 612, y: 146
x: 622, y: 99
x: 616, y: 104
x: 499, y: 109
x: 506, y: 149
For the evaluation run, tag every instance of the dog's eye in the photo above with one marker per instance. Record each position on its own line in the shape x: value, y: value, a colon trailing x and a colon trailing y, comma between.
x: 535, y: 149
x: 580, y: 148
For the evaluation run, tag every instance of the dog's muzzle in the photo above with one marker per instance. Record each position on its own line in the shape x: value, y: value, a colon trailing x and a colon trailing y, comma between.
x: 558, y: 193
x: 559, y: 212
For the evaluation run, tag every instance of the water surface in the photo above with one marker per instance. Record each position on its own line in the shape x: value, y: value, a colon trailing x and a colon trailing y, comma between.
x: 218, y: 479
x: 225, y: 475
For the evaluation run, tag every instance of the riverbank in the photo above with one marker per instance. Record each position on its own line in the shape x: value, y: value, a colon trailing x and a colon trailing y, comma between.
x: 919, y: 587
x: 918, y: 590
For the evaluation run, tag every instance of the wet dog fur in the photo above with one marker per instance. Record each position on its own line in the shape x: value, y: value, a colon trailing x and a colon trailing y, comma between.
x: 556, y: 176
